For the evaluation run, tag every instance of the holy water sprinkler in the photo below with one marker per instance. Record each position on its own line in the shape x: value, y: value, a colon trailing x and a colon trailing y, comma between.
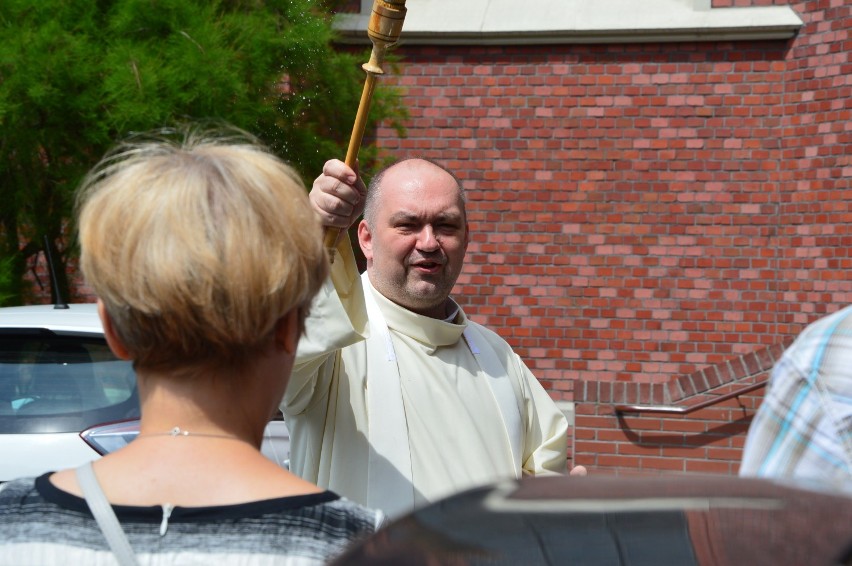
x: 383, y: 30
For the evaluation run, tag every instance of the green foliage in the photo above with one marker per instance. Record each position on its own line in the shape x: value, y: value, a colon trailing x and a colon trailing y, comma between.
x: 78, y: 75
x: 5, y: 280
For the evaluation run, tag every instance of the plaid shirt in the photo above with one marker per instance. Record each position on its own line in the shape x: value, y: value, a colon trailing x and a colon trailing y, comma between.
x: 803, y: 429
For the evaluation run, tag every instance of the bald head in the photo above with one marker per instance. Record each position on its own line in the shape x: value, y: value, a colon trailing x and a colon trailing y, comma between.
x: 410, y: 167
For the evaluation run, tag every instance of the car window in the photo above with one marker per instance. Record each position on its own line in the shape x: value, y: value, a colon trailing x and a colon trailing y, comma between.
x: 73, y: 380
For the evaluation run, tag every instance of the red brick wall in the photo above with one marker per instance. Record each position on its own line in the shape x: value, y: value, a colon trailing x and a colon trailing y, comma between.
x: 639, y: 211
x: 644, y: 212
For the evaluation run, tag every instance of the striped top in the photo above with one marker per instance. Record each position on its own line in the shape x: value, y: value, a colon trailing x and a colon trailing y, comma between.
x: 41, y: 524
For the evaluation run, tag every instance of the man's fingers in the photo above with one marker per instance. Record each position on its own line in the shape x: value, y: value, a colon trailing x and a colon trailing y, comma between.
x: 339, y: 170
x: 338, y: 199
x: 346, y: 193
x: 338, y: 189
x: 333, y: 211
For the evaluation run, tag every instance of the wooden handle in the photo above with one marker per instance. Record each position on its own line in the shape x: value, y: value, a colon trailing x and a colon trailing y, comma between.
x: 384, y: 29
x: 332, y: 233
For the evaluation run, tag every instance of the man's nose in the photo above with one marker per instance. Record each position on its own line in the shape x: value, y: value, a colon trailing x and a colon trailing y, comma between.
x: 426, y: 240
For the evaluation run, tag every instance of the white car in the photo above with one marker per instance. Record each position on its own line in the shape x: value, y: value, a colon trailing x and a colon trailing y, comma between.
x: 65, y: 399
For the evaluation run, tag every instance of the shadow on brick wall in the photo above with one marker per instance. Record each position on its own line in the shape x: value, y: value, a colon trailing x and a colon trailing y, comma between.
x: 694, y: 423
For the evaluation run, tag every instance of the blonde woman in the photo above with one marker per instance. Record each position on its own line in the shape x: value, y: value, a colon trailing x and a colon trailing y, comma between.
x: 204, y: 254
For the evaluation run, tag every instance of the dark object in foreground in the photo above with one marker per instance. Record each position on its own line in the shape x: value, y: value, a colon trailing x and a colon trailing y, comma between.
x: 662, y: 520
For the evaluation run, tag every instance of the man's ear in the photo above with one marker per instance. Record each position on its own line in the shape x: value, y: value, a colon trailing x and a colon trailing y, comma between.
x: 287, y: 331
x: 365, y: 239
x: 113, y: 341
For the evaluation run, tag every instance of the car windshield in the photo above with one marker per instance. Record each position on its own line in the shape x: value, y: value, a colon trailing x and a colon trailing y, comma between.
x: 55, y: 383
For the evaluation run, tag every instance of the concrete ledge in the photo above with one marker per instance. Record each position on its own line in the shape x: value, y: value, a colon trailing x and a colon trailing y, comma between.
x: 567, y: 408
x: 502, y: 22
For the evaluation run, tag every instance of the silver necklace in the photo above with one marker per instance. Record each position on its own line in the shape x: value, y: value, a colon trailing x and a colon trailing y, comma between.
x: 177, y: 431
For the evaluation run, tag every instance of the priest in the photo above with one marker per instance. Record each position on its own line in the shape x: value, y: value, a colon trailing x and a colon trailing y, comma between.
x: 397, y: 398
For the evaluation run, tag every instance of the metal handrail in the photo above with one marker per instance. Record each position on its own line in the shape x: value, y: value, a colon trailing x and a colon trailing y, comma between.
x: 668, y: 409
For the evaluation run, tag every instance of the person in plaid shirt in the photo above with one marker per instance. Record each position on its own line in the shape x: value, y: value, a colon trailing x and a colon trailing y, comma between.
x: 803, y: 429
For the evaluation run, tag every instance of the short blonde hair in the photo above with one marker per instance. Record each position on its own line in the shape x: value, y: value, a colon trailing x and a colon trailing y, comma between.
x: 197, y: 246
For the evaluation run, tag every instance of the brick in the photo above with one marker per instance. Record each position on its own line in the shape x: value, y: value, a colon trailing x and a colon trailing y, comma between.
x: 727, y: 454
x: 687, y: 453
x: 595, y: 422
x: 618, y: 462
x: 669, y: 464
x: 643, y: 423
x: 595, y: 447
x: 685, y: 425
x: 711, y: 467
x: 639, y: 450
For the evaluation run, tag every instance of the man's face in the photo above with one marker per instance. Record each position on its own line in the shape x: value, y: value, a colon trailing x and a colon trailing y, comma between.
x: 415, y: 249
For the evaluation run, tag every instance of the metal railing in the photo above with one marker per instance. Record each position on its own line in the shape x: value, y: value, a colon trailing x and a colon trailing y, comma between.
x: 670, y: 410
